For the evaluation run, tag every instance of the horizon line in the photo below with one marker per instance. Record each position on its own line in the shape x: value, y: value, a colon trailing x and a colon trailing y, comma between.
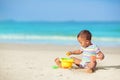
x: 71, y: 21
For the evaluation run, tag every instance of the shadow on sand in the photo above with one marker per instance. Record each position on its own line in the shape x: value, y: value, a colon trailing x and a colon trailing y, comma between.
x: 98, y: 68
x: 107, y: 67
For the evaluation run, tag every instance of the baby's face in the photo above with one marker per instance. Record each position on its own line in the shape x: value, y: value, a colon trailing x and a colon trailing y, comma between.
x: 83, y: 42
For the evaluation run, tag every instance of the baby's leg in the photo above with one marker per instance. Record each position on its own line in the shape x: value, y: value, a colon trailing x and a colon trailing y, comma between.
x: 76, y: 61
x: 90, y: 67
x: 58, y: 62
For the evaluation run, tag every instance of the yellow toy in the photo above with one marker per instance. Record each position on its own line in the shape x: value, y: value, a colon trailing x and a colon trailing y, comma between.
x: 66, y: 62
x: 68, y: 53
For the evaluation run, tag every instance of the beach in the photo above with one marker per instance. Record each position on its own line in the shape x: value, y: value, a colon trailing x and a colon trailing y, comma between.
x: 34, y: 33
x: 35, y: 61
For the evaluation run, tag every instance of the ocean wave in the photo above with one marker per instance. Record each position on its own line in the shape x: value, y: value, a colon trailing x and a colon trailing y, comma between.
x: 36, y: 37
x: 40, y: 37
x: 107, y: 39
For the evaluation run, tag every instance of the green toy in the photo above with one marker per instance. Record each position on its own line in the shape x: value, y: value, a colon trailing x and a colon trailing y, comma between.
x: 55, y: 67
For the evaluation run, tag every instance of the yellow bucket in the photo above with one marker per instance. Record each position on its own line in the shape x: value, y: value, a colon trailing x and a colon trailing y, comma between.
x: 66, y: 62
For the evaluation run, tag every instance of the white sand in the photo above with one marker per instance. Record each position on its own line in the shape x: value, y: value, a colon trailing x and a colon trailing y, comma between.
x: 35, y: 61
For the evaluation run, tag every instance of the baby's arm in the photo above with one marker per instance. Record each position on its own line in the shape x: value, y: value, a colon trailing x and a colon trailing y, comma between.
x: 74, y: 52
x: 100, y: 55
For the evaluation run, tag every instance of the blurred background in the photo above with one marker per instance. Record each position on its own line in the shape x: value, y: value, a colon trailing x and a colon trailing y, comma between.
x: 59, y: 21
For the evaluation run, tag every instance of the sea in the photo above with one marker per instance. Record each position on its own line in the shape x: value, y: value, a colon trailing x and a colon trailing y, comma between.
x: 61, y: 33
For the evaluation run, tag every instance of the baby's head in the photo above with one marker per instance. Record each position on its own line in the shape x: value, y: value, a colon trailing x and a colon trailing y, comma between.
x: 84, y: 38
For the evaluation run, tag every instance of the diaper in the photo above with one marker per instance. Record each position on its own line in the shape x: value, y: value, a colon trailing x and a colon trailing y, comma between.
x: 83, y: 64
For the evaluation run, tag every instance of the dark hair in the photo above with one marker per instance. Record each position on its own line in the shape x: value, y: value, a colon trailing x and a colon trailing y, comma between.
x: 86, y: 34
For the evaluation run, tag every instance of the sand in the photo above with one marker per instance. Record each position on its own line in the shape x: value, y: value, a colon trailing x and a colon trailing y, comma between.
x: 35, y: 61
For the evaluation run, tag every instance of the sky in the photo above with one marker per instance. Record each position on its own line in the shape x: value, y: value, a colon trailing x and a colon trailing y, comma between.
x: 60, y: 10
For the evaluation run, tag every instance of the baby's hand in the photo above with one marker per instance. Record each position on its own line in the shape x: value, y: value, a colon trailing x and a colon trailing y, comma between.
x: 100, y: 56
x: 68, y: 53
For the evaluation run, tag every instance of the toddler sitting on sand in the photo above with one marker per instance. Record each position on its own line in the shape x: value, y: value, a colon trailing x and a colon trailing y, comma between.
x: 90, y: 52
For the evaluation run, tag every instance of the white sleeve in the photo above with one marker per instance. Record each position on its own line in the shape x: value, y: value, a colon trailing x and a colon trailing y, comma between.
x: 81, y: 48
x: 97, y: 49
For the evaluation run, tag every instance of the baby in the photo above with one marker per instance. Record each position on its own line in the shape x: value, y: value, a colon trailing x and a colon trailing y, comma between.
x: 90, y: 52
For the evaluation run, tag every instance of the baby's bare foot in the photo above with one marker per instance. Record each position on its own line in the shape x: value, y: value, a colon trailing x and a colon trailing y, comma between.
x: 89, y: 70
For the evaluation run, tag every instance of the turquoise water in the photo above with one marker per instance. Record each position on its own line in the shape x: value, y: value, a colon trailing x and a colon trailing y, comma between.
x: 59, y: 32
